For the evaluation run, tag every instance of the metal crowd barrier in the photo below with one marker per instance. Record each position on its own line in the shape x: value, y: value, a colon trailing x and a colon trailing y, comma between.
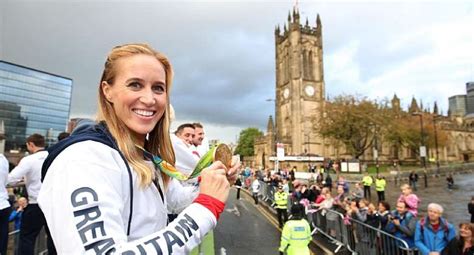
x: 369, y: 240
x: 331, y: 225
x: 14, y: 238
x: 351, y: 234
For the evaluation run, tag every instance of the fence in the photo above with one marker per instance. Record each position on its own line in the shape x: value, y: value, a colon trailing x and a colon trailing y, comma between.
x: 346, y: 233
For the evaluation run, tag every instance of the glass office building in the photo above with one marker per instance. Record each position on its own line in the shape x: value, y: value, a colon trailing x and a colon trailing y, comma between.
x: 32, y: 101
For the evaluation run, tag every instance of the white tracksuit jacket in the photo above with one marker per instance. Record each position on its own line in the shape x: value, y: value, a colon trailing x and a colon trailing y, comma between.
x: 85, y: 198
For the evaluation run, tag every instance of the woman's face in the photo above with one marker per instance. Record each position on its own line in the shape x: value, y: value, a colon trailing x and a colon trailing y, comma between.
x: 138, y: 93
x: 382, y: 208
x: 465, y: 231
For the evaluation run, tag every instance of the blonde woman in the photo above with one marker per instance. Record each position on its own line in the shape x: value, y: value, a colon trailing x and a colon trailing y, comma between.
x: 109, y: 196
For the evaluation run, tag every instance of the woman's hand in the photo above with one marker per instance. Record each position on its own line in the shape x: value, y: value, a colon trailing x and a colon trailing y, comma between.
x: 214, y: 181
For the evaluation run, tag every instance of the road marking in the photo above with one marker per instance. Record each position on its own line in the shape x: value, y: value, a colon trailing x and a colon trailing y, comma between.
x: 234, y: 210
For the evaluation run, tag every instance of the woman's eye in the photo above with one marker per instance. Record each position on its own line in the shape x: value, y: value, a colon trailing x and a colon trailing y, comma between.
x: 159, y: 89
x: 134, y: 85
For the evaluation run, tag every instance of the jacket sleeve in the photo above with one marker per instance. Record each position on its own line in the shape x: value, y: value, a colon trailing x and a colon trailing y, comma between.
x: 85, y: 200
x: 409, y: 228
x: 451, y: 232
x: 285, y: 238
x: 179, y: 197
x: 16, y: 175
x: 419, y: 241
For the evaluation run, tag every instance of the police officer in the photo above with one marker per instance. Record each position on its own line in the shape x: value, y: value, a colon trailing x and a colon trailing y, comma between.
x: 281, y: 205
x: 296, y: 233
x: 380, y: 184
x: 367, y: 182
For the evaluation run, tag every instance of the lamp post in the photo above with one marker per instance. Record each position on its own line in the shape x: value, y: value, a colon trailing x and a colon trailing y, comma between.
x: 376, y: 149
x: 422, y: 146
x: 436, y: 144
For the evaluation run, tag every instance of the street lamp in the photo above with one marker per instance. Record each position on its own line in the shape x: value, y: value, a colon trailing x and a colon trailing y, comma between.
x: 376, y: 149
x: 436, y: 144
x: 422, y: 146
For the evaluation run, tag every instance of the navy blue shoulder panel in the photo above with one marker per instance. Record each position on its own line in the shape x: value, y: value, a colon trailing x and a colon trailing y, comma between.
x: 98, y: 133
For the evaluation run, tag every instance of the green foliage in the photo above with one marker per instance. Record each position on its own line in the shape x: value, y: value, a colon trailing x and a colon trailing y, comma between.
x: 246, y: 140
x: 354, y: 121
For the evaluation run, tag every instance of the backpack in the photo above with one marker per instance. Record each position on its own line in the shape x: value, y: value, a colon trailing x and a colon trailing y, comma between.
x: 98, y: 133
x: 445, y: 228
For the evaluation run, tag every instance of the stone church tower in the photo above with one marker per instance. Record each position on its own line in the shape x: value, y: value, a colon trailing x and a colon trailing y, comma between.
x: 299, y: 99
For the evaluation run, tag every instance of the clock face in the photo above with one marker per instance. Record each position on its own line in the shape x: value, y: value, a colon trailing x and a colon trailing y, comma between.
x: 286, y: 93
x: 309, y: 90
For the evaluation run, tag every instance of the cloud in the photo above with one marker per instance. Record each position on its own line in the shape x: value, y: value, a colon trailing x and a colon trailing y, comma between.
x: 223, y: 51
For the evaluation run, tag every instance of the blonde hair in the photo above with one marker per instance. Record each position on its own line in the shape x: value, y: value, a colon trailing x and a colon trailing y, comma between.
x: 159, y: 142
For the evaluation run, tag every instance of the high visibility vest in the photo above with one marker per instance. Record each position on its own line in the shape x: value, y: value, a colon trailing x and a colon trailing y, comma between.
x: 281, y: 200
x: 295, y: 237
x: 380, y: 184
x: 367, y: 181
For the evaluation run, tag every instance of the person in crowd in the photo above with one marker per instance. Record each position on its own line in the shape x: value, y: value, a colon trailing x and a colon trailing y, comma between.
x: 5, y: 207
x: 296, y: 234
x: 433, y: 232
x: 470, y: 209
x: 201, y: 146
x: 281, y: 205
x: 255, y: 189
x: 413, y: 178
x: 110, y: 195
x: 63, y: 135
x: 324, y: 200
x: 367, y: 183
x: 29, y: 169
x: 328, y: 181
x: 314, y: 192
x: 384, y: 213
x: 358, y: 210
x: 342, y: 182
x: 373, y: 216
x: 292, y: 173
x: 402, y: 224
x: 380, y: 185
x: 450, y: 181
x: 358, y: 192
x: 409, y: 198
x: 16, y: 216
x: 464, y: 243
x: 339, y: 205
x: 185, y: 132
x: 238, y: 186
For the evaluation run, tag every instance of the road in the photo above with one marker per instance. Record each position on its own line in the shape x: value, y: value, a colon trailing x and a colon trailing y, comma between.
x: 244, y: 229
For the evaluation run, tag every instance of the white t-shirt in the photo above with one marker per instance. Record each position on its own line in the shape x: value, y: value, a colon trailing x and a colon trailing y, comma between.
x: 186, y: 161
x: 255, y: 186
x: 29, y: 168
x: 3, y: 181
x: 86, y: 202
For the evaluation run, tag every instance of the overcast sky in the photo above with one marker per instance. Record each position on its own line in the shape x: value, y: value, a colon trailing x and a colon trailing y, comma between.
x: 223, y: 51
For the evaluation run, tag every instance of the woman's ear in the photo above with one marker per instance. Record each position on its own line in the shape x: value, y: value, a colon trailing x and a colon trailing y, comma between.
x: 107, y: 90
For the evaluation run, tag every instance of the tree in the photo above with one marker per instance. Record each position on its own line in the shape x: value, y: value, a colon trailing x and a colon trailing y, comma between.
x: 353, y: 121
x: 246, y: 140
x: 405, y: 131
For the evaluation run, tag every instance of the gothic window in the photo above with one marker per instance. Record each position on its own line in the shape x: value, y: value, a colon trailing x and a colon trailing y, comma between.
x: 311, y: 66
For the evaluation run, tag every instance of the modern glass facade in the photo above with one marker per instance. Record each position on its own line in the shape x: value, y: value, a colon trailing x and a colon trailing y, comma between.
x: 32, y: 101
x: 457, y: 105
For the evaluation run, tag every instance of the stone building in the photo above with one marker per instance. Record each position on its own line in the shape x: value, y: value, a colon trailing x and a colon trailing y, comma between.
x: 300, y: 102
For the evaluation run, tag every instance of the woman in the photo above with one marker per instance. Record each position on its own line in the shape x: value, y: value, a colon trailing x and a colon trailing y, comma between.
x: 101, y: 200
x: 464, y: 244
x: 410, y: 199
x: 384, y: 212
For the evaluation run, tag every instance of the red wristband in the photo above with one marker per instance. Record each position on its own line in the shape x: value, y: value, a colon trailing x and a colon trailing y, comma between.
x: 212, y: 204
